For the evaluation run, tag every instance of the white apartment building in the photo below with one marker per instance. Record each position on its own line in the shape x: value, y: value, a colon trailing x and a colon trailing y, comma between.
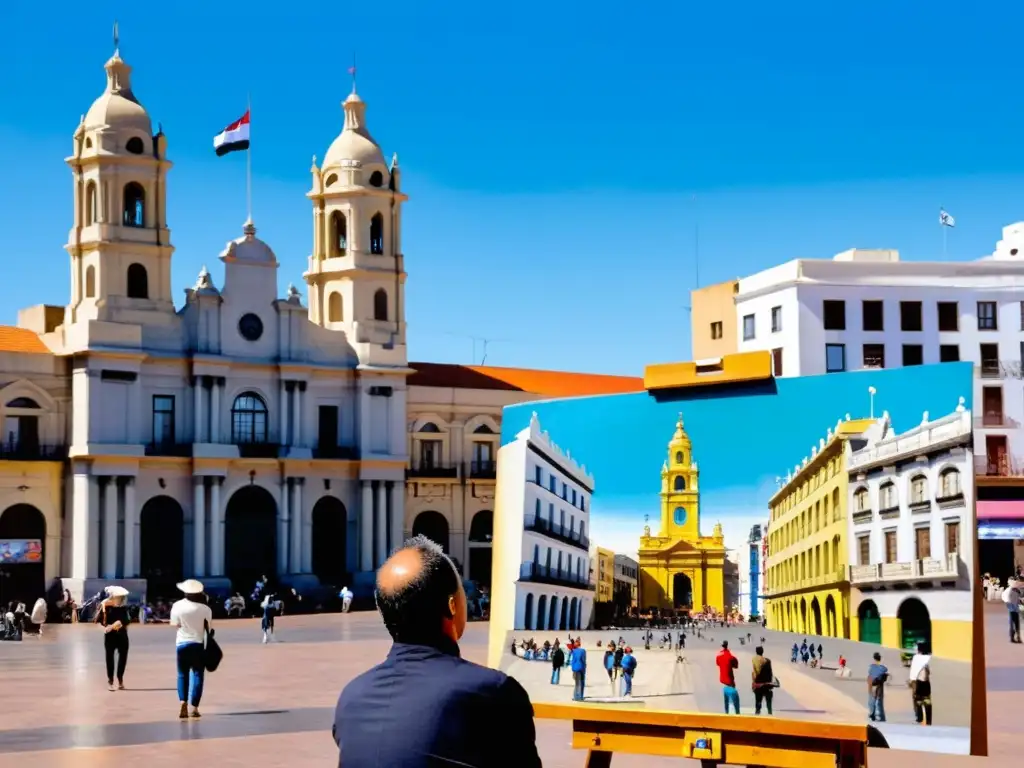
x: 867, y: 309
x: 541, y: 576
x: 911, y: 550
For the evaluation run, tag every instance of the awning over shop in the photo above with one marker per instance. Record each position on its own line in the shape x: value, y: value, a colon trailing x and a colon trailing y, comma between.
x: 1001, y: 510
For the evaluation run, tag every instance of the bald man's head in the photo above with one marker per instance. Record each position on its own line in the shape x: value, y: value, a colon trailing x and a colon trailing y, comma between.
x: 419, y: 594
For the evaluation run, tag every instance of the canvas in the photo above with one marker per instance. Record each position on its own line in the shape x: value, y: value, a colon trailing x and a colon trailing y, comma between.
x: 823, y: 519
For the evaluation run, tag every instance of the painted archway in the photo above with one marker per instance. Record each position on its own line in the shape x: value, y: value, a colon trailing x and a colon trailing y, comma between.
x: 831, y: 622
x: 803, y: 614
x: 434, y: 526
x: 574, y: 613
x: 915, y: 625
x: 329, y: 542
x: 542, y: 613
x: 553, y: 613
x: 481, y: 533
x: 816, y: 617
x: 161, y: 546
x: 528, y: 612
x: 682, y: 591
x: 563, y: 619
x: 24, y: 582
x: 250, y: 537
x: 870, y: 622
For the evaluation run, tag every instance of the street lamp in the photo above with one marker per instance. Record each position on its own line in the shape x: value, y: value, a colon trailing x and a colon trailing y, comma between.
x: 871, y: 393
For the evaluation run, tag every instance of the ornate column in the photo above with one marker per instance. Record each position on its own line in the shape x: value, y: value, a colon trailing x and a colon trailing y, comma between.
x: 381, y: 517
x: 197, y: 391
x: 131, y: 531
x: 199, y: 526
x: 300, y: 387
x: 80, y: 527
x: 216, y: 528
x: 396, y: 508
x: 215, y: 415
x: 109, y: 569
x: 282, y: 525
x: 285, y: 388
x: 366, y: 528
x: 296, y: 537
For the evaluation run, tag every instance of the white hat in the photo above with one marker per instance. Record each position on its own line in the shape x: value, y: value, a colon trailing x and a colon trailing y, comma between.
x: 191, y: 587
x: 116, y: 591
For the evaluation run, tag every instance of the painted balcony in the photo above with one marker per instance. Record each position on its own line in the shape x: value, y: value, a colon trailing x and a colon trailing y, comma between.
x: 946, y: 568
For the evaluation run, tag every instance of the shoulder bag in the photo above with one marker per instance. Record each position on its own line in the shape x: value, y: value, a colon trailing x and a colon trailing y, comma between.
x: 213, y: 655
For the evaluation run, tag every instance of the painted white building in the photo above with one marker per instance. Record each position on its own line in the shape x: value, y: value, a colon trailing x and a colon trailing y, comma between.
x: 543, y: 530
x: 867, y: 309
x: 910, y: 532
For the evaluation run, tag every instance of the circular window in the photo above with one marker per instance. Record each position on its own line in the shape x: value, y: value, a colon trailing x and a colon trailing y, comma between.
x: 376, y: 179
x: 679, y: 516
x: 251, y: 327
x: 135, y: 145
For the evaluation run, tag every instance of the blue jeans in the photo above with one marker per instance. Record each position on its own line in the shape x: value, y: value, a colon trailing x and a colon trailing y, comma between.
x: 191, y: 671
x: 627, y: 684
x: 1014, y: 626
x: 580, y: 680
x: 876, y: 708
x: 730, y: 694
x: 556, y: 674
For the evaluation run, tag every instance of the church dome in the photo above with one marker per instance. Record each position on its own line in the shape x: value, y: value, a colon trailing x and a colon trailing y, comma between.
x: 117, y: 106
x: 249, y: 248
x: 354, y: 145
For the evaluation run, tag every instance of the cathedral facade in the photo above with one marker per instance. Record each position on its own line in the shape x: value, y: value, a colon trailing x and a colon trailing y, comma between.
x: 243, y: 433
x: 680, y: 570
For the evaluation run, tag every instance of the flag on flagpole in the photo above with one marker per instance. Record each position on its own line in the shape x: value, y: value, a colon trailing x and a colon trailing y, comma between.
x: 945, y: 219
x: 234, y: 138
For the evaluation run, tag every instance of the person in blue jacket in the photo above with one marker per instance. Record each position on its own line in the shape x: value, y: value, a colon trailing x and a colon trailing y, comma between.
x: 578, y: 665
x: 628, y: 670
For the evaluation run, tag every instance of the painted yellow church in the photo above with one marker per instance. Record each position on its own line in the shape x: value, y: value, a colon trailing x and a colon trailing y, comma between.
x: 679, y: 568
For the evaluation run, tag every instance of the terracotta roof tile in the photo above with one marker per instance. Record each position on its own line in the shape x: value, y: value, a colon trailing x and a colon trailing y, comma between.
x: 13, y: 339
x: 546, y: 383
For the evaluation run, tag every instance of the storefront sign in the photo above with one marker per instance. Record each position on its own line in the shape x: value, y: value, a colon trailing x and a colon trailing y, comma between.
x: 20, y: 551
x: 1001, y: 530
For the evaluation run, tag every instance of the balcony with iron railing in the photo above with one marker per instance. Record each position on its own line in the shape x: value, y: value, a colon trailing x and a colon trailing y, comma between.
x: 946, y: 568
x: 32, y: 451
x: 483, y: 470
x: 991, y: 368
x: 433, y: 470
x: 562, y: 577
x: 999, y: 466
x: 556, y: 531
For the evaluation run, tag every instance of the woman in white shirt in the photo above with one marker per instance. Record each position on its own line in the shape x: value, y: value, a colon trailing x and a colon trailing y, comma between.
x: 193, y: 617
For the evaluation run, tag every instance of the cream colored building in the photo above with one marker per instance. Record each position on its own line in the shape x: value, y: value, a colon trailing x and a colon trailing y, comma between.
x: 713, y: 320
x: 242, y: 433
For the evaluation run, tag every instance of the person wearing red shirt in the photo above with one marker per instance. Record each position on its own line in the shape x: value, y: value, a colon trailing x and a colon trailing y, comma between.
x: 727, y: 665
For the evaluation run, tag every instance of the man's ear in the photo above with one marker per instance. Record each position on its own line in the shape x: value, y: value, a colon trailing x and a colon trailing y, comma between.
x: 451, y: 606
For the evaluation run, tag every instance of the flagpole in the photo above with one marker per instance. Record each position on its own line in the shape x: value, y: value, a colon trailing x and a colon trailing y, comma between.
x: 248, y: 162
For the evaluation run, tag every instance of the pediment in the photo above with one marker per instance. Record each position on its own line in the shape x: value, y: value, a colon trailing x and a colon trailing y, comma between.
x: 666, y: 546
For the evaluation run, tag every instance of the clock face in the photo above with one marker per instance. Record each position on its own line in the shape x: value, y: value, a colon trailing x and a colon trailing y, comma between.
x: 251, y: 327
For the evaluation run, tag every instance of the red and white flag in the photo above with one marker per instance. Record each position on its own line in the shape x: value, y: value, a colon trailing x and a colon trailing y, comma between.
x: 234, y: 138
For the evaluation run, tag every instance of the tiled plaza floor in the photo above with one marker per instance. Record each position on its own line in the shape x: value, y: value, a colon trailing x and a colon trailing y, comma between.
x: 273, y: 705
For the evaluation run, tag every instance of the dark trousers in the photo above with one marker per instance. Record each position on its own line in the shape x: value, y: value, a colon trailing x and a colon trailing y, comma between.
x: 579, y: 683
x: 1014, y: 627
x: 762, y: 695
x: 116, y: 642
x: 923, y: 702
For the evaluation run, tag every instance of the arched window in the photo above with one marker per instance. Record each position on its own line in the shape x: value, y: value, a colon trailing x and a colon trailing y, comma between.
x: 138, y: 282
x: 334, y: 314
x: 679, y: 516
x: 429, y: 427
x: 919, y: 490
x: 23, y: 402
x: 339, y: 233
x: 90, y: 281
x: 90, y: 203
x: 861, y: 501
x: 377, y: 234
x: 483, y: 429
x: 376, y: 179
x: 949, y: 483
x: 332, y: 179
x: 380, y: 304
x: 249, y: 419
x: 134, y: 213
x: 679, y: 484
x: 135, y: 146
x: 887, y: 496
x: 679, y: 457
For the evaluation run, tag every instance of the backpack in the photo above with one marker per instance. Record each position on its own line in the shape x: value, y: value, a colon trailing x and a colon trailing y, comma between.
x: 631, y: 668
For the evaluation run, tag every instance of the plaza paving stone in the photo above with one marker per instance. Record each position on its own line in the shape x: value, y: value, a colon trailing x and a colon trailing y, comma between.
x: 273, y: 705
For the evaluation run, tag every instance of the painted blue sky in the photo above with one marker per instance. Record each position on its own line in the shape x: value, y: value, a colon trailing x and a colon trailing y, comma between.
x: 741, y: 443
x: 552, y: 150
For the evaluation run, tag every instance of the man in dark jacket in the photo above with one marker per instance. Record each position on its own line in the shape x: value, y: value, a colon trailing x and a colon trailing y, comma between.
x: 424, y: 706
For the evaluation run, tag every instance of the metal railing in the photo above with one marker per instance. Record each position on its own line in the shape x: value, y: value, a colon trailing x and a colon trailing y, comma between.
x: 437, y: 470
x: 483, y: 470
x: 998, y: 466
x: 563, y: 577
x: 945, y: 568
x: 22, y: 451
x: 556, y: 531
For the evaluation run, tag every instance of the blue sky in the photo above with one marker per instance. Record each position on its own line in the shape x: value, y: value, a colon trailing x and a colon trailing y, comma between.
x: 552, y: 152
x: 742, y: 444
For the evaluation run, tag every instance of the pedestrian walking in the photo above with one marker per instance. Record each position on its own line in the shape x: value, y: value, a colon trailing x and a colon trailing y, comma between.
x: 193, y: 618
x: 1012, y: 598
x: 269, y: 606
x: 628, y: 670
x: 557, y: 662
x: 578, y: 665
x: 878, y: 674
x: 763, y: 682
x: 727, y: 665
x: 346, y: 599
x: 920, y: 681
x: 113, y: 617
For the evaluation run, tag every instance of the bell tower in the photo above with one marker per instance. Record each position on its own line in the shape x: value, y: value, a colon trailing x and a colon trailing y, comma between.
x: 356, y: 274
x: 119, y: 243
x: 680, y: 494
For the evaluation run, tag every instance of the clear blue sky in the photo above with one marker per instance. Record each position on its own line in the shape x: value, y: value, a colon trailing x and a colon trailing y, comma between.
x: 551, y: 150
